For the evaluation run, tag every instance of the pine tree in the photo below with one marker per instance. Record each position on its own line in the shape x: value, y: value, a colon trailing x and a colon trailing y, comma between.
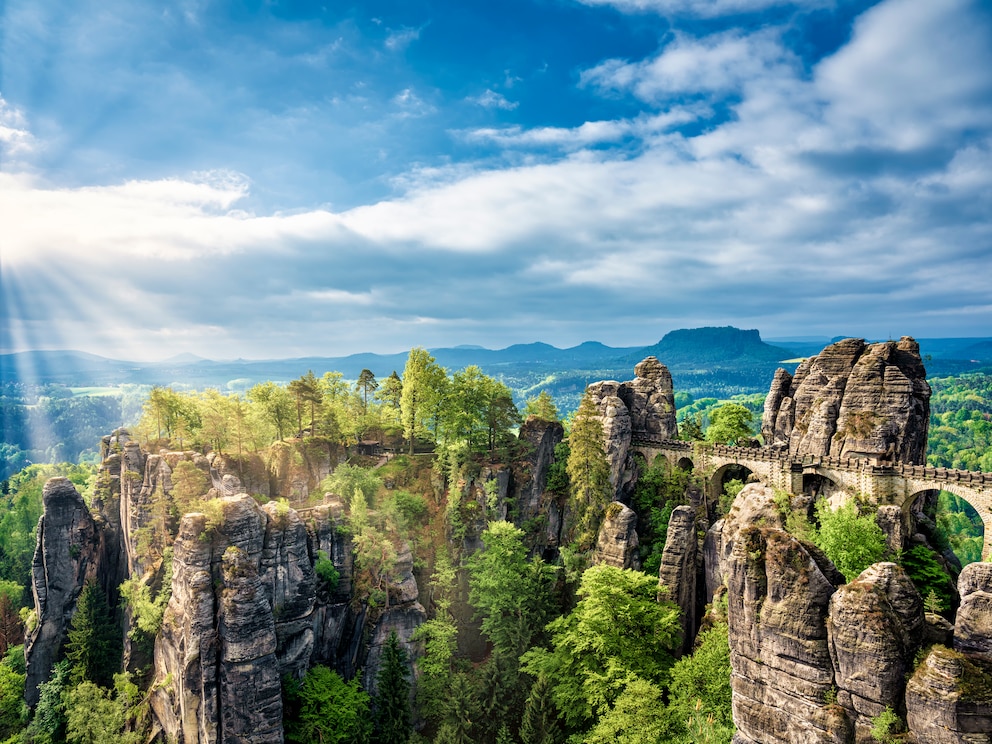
x: 393, y: 700
x: 94, y: 647
x: 588, y: 473
x: 540, y: 721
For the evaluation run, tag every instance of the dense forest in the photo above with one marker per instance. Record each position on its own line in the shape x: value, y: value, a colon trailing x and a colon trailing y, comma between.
x: 522, y: 643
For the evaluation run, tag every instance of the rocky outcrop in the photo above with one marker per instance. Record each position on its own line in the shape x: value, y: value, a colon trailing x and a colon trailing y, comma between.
x: 216, y: 669
x: 615, y: 420
x: 640, y: 408
x: 875, y: 629
x: 618, y: 543
x: 650, y: 399
x: 853, y: 400
x: 531, y: 475
x: 679, y: 571
x: 779, y: 590
x: 66, y: 556
x: 949, y: 699
x: 973, y: 624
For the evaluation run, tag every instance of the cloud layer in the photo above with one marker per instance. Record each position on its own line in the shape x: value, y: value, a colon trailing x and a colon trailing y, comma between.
x: 735, y: 178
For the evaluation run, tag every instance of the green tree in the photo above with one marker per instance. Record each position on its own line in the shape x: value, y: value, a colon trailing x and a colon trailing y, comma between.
x: 366, y: 384
x: 348, y: 481
x: 700, y: 688
x: 731, y: 423
x: 392, y: 704
x: 94, y: 645
x: 852, y: 541
x: 330, y: 710
x: 510, y: 593
x: 691, y: 428
x: 49, y: 722
x: 390, y: 393
x: 619, y: 631
x: 541, y: 406
x: 94, y: 717
x: 423, y: 387
x: 588, y: 473
x: 439, y: 636
x: 308, y: 395
x: 539, y: 724
x: 638, y: 716
x: 11, y: 701
x: 276, y: 404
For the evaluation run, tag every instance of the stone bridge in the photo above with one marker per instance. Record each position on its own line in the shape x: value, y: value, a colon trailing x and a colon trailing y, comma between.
x: 882, y: 482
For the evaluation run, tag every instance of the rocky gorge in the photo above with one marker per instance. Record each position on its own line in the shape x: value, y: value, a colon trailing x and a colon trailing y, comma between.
x: 814, y: 658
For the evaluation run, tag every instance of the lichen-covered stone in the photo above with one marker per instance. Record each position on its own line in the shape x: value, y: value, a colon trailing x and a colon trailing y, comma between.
x: 778, y: 594
x: 949, y: 699
x: 617, y: 544
x: 875, y: 629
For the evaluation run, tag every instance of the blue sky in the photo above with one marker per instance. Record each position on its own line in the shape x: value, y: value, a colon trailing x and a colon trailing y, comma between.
x: 274, y: 179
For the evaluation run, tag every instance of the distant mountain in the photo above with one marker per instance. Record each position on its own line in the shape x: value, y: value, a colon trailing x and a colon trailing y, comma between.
x: 724, y: 346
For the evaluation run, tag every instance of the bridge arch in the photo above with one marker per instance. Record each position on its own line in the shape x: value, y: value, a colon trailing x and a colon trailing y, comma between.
x: 959, y: 520
x: 685, y: 463
x: 726, y: 473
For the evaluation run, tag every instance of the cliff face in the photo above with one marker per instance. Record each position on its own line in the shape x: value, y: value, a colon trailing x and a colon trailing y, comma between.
x: 66, y: 556
x: 815, y: 660
x: 617, y: 543
x: 852, y: 400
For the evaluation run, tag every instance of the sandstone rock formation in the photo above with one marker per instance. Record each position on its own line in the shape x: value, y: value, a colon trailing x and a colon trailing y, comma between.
x: 679, y: 570
x: 617, y: 543
x: 66, y: 556
x: 541, y: 437
x: 853, y: 400
x: 948, y: 699
x: 779, y: 590
x: 875, y: 628
x: 973, y: 624
x: 640, y: 408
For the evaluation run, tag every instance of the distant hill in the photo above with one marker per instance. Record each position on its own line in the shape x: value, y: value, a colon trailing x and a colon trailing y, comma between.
x: 721, y: 346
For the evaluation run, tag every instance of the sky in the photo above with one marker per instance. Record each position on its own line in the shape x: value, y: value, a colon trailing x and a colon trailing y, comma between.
x: 286, y: 178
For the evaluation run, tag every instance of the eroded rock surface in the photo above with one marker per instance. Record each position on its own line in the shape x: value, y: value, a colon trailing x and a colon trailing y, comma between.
x: 679, y: 572
x: 875, y: 628
x: 617, y: 544
x: 66, y: 556
x: 973, y: 624
x: 853, y: 400
x: 949, y: 699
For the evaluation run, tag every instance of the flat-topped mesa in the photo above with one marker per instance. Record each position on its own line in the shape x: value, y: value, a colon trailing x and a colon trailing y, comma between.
x: 852, y: 400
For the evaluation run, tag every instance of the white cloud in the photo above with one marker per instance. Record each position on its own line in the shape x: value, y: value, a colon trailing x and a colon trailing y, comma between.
x: 715, y: 64
x: 399, y: 39
x: 492, y: 99
x: 15, y: 139
x: 410, y: 105
x: 704, y: 8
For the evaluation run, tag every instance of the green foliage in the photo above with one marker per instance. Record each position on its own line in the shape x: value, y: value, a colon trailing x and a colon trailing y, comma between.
x: 588, y: 473
x: 700, y: 688
x: 929, y: 576
x: 326, y: 572
x: 541, y: 406
x: 960, y: 525
x: 558, y: 472
x: 851, y: 541
x: 412, y: 508
x: 461, y: 713
x: 327, y: 709
x: 730, y: 490
x: 94, y: 717
x: 12, y: 707
x: 424, y: 384
x: 392, y: 703
x: 730, y: 424
x: 961, y: 422
x: 49, y: 722
x: 638, y: 716
x: 478, y: 411
x: 884, y: 725
x: 348, y: 480
x: 510, y: 593
x: 540, y: 724
x: 658, y: 491
x: 147, y: 611
x: 93, y: 648
x: 691, y: 428
x: 617, y: 632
